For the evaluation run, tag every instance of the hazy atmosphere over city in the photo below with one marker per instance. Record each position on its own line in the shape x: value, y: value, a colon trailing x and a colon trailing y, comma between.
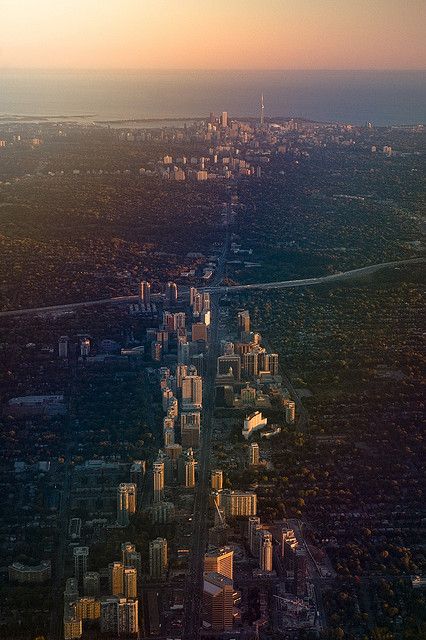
x: 212, y: 320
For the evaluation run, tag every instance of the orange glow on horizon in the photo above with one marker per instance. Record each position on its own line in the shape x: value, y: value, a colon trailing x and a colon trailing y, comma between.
x: 242, y: 34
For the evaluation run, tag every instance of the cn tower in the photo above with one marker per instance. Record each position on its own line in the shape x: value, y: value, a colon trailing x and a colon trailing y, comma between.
x: 262, y: 111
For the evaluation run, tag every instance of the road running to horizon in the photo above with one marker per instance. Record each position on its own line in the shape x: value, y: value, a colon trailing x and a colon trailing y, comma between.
x: 285, y: 284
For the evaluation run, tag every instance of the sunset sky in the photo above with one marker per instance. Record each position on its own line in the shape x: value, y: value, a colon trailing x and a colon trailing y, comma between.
x: 221, y: 34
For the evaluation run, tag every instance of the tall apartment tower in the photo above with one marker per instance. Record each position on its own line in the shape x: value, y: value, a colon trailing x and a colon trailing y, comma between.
x: 192, y: 393
x: 216, y: 481
x: 91, y: 583
x: 126, y: 548
x: 81, y: 555
x: 116, y: 578
x: 190, y: 425
x: 265, y: 551
x: 254, y: 454
x: 271, y: 363
x: 171, y: 293
x: 119, y: 616
x: 190, y: 470
x: 220, y: 561
x: 253, y: 526
x: 158, y: 478
x: 239, y: 503
x: 224, y: 119
x: 158, y: 558
x: 243, y: 319
x: 126, y: 502
x: 130, y: 582
x: 63, y: 347
x: 218, y: 602
x: 145, y: 292
x: 290, y: 412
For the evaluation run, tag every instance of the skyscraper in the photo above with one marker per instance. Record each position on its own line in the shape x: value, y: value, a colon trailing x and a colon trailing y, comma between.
x: 192, y: 393
x: 217, y: 479
x: 119, y: 615
x: 171, y: 293
x: 116, y: 578
x: 158, y: 558
x: 254, y: 454
x: 190, y: 470
x: 265, y: 551
x: 243, y: 319
x: 145, y: 292
x: 81, y: 555
x: 220, y: 561
x: 218, y: 602
x: 158, y: 478
x: 126, y: 502
x: 130, y: 582
x: 91, y: 583
x: 224, y: 119
x: 190, y: 424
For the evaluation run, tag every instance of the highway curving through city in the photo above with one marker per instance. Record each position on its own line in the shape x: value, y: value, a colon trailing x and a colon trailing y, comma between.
x: 285, y: 284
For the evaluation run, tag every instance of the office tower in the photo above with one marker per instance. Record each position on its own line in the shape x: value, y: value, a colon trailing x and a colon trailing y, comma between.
x: 134, y: 559
x: 145, y: 292
x: 63, y: 347
x: 220, y: 561
x: 262, y: 111
x: 254, y: 422
x: 166, y: 395
x: 158, y: 559
x: 216, y: 480
x: 181, y: 372
x: 290, y: 412
x: 265, y: 552
x: 158, y: 478
x: 227, y: 348
x: 251, y: 364
x: 190, y: 470
x: 229, y: 364
x: 183, y: 350
x: 84, y: 347
x: 300, y: 573
x: 197, y: 304
x: 254, y: 454
x: 126, y: 548
x: 81, y: 555
x: 190, y: 423
x: 199, y: 362
x: 243, y: 319
x: 239, y: 503
x: 91, y: 583
x: 224, y: 119
x: 137, y: 472
x: 130, y: 582
x: 248, y: 395
x: 225, y: 396
x: 271, y: 363
x: 156, y: 351
x: 253, y: 526
x: 119, y: 616
x: 179, y: 321
x: 199, y: 332
x: 116, y: 578
x: 192, y: 393
x: 168, y: 437
x: 126, y: 502
x: 218, y: 602
x: 162, y: 512
x: 73, y: 628
x: 192, y: 294
x: 88, y: 608
x: 171, y: 293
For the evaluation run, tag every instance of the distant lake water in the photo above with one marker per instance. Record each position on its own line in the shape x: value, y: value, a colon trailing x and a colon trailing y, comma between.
x: 382, y: 97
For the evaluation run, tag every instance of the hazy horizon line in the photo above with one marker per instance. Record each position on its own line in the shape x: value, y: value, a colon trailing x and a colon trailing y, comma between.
x: 215, y: 69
